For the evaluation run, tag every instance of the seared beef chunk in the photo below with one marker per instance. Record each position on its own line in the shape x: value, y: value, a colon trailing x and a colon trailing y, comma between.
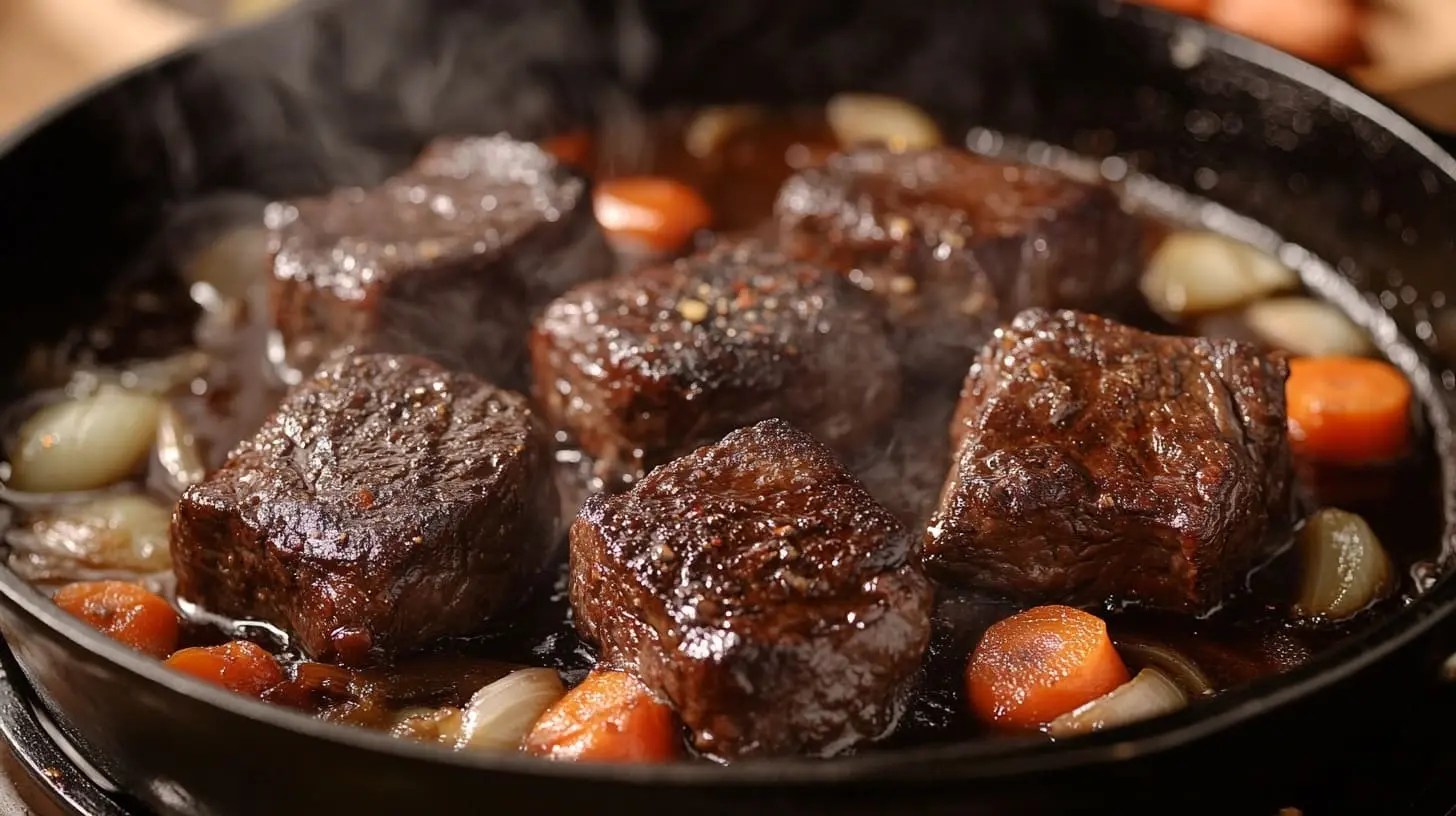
x: 1096, y: 461
x: 449, y: 259
x: 954, y: 244
x: 758, y: 587
x: 647, y: 366
x: 386, y: 504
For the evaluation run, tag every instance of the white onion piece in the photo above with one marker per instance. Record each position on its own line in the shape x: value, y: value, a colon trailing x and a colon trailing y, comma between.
x: 125, y: 532
x: 178, y: 454
x: 1171, y: 663
x: 428, y: 724
x: 1199, y: 272
x: 858, y: 119
x: 712, y: 127
x: 84, y: 444
x: 500, y: 715
x: 1345, y: 568
x: 231, y: 265
x: 1307, y: 327
x: 1150, y: 694
x: 51, y: 573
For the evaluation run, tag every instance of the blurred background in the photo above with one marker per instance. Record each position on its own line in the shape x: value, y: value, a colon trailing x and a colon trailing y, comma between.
x: 1401, y: 50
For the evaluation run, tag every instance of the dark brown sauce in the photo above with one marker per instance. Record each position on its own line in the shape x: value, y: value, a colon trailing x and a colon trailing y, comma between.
x: 1251, y: 637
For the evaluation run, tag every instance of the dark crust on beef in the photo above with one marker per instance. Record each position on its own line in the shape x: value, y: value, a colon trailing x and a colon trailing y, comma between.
x: 674, y: 356
x: 386, y: 496
x: 1096, y: 461
x: 419, y: 265
x: 758, y: 587
x: 953, y: 244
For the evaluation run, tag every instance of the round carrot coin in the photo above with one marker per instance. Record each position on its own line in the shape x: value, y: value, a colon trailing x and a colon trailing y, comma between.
x: 125, y: 612
x: 239, y: 666
x: 1347, y: 410
x: 1035, y: 666
x: 650, y: 213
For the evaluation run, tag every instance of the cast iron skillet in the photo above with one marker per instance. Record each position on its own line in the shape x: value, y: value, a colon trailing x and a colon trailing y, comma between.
x: 343, y: 93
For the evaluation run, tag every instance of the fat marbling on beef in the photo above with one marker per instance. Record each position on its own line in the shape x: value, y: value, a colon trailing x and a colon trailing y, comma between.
x: 386, y: 504
x: 758, y: 588
x: 1096, y: 461
x: 449, y: 259
x: 646, y: 366
x: 953, y: 244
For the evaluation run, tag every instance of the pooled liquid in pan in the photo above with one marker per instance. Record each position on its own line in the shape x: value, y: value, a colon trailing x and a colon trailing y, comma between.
x: 739, y: 168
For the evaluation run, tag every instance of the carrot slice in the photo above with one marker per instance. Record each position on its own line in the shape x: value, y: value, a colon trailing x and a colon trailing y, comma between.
x: 239, y: 666
x: 610, y: 717
x: 1347, y: 410
x: 1191, y: 8
x: 125, y: 612
x: 647, y: 212
x: 570, y: 148
x: 1035, y: 666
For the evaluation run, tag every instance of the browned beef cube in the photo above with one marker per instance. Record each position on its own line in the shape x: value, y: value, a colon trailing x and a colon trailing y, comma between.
x: 644, y: 367
x: 954, y: 244
x: 758, y: 588
x: 386, y: 504
x: 448, y: 260
x: 1096, y: 461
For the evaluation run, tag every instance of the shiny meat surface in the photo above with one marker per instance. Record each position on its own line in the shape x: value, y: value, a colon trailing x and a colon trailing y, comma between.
x: 1095, y: 461
x: 759, y: 588
x: 647, y: 366
x: 448, y: 260
x: 386, y: 504
x: 953, y: 244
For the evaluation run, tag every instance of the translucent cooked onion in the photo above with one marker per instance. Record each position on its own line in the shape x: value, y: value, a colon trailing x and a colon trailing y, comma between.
x: 858, y: 119
x: 1176, y: 666
x: 1150, y: 694
x: 1196, y: 273
x: 178, y: 456
x: 51, y: 573
x: 123, y: 532
x: 712, y: 127
x: 83, y: 444
x: 1344, y: 567
x: 230, y: 265
x: 1307, y: 327
x: 500, y: 715
x: 429, y: 724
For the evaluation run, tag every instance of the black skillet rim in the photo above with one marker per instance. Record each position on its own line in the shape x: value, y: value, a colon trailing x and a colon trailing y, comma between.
x: 980, y: 759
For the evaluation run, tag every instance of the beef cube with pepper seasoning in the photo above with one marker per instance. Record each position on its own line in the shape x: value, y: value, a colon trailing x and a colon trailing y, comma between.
x: 1098, y: 462
x: 952, y: 244
x: 386, y: 504
x: 643, y: 367
x: 757, y: 587
x: 449, y: 259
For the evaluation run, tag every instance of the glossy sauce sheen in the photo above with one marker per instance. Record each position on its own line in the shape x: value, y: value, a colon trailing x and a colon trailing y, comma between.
x: 1249, y: 637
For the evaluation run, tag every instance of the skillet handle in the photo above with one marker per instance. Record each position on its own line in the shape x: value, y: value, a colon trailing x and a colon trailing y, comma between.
x: 38, y: 750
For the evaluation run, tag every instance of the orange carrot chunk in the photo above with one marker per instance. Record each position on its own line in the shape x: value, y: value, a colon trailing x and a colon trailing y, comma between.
x: 1033, y: 667
x: 125, y: 612
x: 649, y: 213
x: 239, y: 666
x: 610, y: 717
x: 1191, y: 8
x: 570, y: 148
x: 1347, y: 410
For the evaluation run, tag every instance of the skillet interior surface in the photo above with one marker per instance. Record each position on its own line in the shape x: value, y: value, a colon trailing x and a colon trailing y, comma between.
x: 320, y: 98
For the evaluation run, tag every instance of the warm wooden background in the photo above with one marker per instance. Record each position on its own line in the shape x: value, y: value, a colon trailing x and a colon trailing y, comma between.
x: 49, y: 48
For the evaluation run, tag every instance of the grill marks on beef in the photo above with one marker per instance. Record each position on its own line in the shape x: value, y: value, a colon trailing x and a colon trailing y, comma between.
x: 646, y: 366
x: 449, y: 259
x: 952, y: 243
x: 758, y: 587
x: 386, y: 504
x: 1095, y: 461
